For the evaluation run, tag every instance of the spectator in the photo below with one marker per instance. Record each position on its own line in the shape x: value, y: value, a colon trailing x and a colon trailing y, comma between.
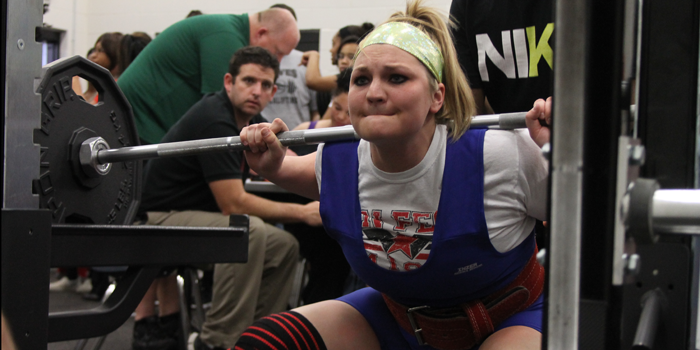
x: 351, y: 30
x: 188, y: 59
x: 505, y: 75
x: 106, y: 52
x: 204, y: 190
x: 344, y: 58
x: 194, y: 13
x: 324, y: 98
x: 323, y: 85
x: 489, y: 60
x: 131, y: 46
x: 285, y: 7
x: 294, y: 102
x: 339, y: 113
x: 90, y: 93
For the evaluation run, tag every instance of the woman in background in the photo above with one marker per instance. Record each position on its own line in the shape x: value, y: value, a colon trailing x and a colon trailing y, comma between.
x: 338, y: 110
x: 131, y: 46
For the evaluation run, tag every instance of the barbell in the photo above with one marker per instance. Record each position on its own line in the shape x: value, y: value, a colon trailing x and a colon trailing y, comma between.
x: 83, y: 179
x: 96, y: 156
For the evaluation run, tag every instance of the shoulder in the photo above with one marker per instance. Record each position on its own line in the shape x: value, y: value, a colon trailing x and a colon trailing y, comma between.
x: 510, y: 149
x: 215, y: 27
x: 208, y: 111
x: 210, y: 105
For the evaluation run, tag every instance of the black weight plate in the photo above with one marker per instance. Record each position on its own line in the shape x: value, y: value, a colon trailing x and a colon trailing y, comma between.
x: 60, y: 187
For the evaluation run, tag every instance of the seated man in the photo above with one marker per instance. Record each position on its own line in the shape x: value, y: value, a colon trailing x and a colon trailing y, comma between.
x: 204, y: 190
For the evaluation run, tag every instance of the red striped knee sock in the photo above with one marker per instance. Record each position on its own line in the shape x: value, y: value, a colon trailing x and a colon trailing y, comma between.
x: 287, y: 330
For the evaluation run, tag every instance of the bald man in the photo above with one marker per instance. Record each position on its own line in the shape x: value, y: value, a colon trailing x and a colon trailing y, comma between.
x: 188, y: 59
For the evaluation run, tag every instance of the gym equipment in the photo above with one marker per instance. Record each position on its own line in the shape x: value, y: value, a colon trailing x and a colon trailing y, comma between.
x: 78, y: 163
x: 96, y: 156
x: 605, y: 217
x: 66, y: 121
x: 76, y: 225
x: 593, y: 296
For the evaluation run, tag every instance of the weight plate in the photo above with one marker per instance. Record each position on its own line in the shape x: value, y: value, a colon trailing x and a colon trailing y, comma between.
x: 66, y: 119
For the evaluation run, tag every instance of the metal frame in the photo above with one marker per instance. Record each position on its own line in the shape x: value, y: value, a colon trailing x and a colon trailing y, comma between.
x: 577, y: 300
x: 30, y: 244
x: 695, y: 282
x: 23, y: 54
x: 570, y: 73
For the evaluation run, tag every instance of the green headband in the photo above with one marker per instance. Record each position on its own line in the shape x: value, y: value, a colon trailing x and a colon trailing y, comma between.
x: 410, y: 39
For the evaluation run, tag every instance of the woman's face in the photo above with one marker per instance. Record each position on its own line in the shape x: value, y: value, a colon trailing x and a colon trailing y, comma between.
x: 390, y: 95
x: 339, y: 110
x: 334, y: 48
x: 100, y: 57
x: 345, y: 56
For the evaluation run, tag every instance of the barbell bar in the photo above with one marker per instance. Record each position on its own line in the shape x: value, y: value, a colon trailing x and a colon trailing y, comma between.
x: 96, y: 156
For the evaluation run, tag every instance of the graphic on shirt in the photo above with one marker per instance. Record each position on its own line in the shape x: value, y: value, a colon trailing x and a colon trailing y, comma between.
x: 400, y: 242
x: 526, y: 64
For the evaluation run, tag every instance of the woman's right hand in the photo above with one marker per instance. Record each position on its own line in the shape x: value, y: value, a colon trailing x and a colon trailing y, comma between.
x: 266, y: 151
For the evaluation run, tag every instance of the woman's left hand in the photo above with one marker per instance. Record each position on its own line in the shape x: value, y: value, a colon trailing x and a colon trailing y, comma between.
x: 538, y: 121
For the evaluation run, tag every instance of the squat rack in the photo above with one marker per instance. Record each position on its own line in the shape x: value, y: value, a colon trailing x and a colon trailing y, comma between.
x: 590, y: 305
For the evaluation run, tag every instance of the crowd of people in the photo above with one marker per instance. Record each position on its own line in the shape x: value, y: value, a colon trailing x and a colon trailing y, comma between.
x: 410, y: 91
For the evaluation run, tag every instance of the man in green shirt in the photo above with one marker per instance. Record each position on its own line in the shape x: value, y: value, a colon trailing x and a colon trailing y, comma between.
x: 188, y: 59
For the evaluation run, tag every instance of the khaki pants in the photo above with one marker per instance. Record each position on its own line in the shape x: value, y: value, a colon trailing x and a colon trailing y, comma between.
x: 243, y: 293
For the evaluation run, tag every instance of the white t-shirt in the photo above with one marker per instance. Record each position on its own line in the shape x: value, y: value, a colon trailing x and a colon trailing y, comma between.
x: 515, y: 185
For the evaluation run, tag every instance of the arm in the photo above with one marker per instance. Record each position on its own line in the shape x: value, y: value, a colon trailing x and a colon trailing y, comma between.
x: 314, y: 116
x: 314, y: 80
x: 313, y: 106
x: 303, y: 126
x: 327, y: 115
x: 267, y: 158
x: 77, y: 87
x: 232, y: 198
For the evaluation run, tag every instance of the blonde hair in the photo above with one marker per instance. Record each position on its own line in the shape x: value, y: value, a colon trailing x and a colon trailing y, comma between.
x: 458, y: 107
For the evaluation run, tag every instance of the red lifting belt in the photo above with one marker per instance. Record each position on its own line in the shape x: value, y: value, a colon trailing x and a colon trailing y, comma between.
x: 462, y: 327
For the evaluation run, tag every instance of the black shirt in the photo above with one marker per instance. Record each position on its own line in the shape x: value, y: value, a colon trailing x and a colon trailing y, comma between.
x: 182, y: 183
x: 497, y: 42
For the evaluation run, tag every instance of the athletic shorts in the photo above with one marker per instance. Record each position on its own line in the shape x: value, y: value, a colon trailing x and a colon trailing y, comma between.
x: 371, y: 305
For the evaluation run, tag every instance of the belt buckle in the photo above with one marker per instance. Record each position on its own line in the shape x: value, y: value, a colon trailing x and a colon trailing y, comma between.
x: 414, y: 325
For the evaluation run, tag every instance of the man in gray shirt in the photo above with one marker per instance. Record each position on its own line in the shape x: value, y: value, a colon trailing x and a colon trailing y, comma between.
x: 294, y: 103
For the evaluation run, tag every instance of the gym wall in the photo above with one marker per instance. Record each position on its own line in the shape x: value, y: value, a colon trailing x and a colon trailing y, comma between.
x: 85, y: 20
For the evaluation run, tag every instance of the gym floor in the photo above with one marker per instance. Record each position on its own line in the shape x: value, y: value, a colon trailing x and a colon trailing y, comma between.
x: 69, y: 300
x: 120, y: 339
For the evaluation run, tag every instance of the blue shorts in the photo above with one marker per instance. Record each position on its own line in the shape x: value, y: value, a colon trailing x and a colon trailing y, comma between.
x: 370, y: 304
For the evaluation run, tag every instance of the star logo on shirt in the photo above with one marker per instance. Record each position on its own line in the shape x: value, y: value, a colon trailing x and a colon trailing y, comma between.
x: 408, y: 245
